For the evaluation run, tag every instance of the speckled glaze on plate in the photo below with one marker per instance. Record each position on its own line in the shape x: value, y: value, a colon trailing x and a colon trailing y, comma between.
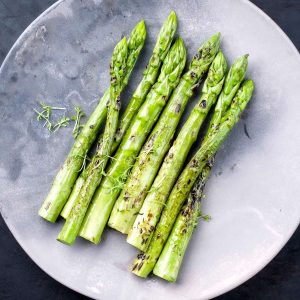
x: 253, y: 194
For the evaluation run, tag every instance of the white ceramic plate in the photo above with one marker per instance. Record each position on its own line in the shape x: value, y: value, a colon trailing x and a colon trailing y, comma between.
x: 253, y: 195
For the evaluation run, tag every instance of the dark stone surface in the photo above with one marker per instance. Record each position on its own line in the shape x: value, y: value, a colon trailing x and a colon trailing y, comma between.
x: 20, y: 278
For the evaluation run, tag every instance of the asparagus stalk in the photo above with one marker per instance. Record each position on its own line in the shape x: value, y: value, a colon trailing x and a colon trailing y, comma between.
x: 143, y: 227
x: 170, y: 259
x: 117, y: 72
x: 78, y: 185
x: 159, y: 53
x: 131, y: 198
x: 74, y: 194
x: 144, y: 263
x: 66, y: 177
x: 105, y: 196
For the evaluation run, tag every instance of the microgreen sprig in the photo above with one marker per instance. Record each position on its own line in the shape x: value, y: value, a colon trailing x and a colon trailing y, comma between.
x: 45, y: 115
x: 77, y: 118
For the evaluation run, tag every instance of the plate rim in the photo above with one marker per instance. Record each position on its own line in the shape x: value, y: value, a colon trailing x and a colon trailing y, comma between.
x: 220, y: 291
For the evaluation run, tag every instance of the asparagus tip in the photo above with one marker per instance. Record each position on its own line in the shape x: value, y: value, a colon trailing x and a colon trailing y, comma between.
x: 216, y: 37
x: 213, y: 42
x: 179, y: 42
x: 141, y: 26
x: 172, y: 14
x: 250, y: 84
x: 172, y: 19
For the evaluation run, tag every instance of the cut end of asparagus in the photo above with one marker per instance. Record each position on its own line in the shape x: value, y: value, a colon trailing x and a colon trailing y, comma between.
x: 165, y: 276
x: 136, y: 240
x: 45, y: 215
x: 66, y: 242
x: 119, y: 225
x: 142, y: 265
x: 87, y: 235
x: 66, y: 235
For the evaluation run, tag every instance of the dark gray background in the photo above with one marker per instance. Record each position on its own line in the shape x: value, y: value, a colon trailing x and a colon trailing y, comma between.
x: 20, y: 278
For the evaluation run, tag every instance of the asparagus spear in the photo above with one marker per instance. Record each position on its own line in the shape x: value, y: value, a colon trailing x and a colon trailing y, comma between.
x: 144, y: 263
x: 159, y: 53
x: 154, y: 203
x: 105, y: 196
x: 117, y: 72
x: 66, y: 177
x: 170, y: 259
x: 132, y: 196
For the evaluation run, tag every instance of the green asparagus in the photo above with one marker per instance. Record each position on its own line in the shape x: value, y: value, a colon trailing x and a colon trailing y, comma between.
x: 170, y: 259
x: 105, y: 196
x: 159, y: 53
x: 145, y: 262
x: 66, y: 177
x: 131, y: 199
x: 145, y: 222
x: 72, y: 225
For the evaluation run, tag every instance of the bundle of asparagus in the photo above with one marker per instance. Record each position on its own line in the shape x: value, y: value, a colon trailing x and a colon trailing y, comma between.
x: 144, y: 224
x: 154, y: 150
x: 118, y: 171
x: 170, y: 259
x: 135, y: 181
x: 145, y: 262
